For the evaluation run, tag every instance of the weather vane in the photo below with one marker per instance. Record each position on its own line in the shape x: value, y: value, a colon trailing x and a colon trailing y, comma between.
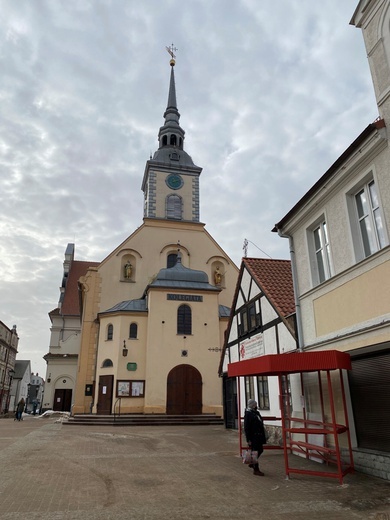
x: 171, y: 50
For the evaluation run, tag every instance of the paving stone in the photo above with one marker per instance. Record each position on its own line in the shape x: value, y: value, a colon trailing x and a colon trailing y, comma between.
x: 53, y: 472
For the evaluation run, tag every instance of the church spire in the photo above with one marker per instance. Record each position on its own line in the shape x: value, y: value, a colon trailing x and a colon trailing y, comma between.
x: 171, y: 134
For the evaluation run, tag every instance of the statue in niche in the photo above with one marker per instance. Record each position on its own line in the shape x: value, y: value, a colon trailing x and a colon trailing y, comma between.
x: 217, y: 276
x: 128, y: 270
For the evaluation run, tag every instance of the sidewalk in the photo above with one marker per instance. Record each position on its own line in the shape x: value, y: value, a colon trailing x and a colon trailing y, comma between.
x: 55, y: 472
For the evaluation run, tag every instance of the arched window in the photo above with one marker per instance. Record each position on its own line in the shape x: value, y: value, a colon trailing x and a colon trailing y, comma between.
x: 110, y: 332
x: 184, y: 320
x: 174, y: 207
x: 107, y: 363
x: 173, y: 140
x: 164, y: 140
x: 171, y: 260
x: 133, y: 331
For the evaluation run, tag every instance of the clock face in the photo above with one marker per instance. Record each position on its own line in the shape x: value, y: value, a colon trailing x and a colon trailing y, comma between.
x: 174, y: 181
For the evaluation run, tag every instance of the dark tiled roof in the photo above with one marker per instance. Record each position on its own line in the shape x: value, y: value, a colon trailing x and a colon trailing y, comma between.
x: 129, y: 305
x: 275, y: 279
x: 224, y: 312
x: 71, y: 304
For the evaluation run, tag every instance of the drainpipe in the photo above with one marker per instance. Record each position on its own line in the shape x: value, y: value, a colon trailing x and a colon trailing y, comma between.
x: 296, y: 289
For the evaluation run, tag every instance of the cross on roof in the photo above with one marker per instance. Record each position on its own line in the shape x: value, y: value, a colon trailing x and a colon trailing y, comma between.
x: 171, y: 49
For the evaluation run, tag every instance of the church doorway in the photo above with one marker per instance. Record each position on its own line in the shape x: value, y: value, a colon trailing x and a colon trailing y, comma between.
x: 62, y: 400
x: 104, y: 403
x: 184, y: 391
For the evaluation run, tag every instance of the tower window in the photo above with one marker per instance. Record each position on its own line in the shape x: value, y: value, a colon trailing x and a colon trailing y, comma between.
x: 174, y: 207
x: 173, y: 140
x: 164, y: 140
x: 184, y: 320
x: 133, y: 331
x: 171, y: 260
x: 110, y: 332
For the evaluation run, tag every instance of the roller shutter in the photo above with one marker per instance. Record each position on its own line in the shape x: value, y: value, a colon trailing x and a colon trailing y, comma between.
x: 370, y: 393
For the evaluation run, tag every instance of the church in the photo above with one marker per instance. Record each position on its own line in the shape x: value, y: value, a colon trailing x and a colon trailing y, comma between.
x: 153, y: 313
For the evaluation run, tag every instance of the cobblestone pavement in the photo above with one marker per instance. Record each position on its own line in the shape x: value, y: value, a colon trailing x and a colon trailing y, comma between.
x: 51, y: 471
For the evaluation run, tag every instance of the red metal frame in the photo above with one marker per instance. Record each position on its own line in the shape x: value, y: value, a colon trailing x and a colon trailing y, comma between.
x: 293, y: 428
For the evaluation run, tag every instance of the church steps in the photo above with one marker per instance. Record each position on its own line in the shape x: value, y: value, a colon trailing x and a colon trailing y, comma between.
x: 144, y: 420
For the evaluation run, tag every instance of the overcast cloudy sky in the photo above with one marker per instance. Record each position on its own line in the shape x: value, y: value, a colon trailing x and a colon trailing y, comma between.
x: 270, y: 94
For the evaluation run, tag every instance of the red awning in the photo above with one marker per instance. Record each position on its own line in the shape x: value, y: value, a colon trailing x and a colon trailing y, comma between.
x: 276, y: 364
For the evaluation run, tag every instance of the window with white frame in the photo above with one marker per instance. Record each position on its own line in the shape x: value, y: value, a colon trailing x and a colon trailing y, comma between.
x: 319, y: 248
x: 370, y: 223
x: 322, y: 251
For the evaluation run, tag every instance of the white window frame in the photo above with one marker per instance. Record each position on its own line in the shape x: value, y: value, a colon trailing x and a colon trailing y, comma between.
x: 320, y: 271
x: 367, y: 225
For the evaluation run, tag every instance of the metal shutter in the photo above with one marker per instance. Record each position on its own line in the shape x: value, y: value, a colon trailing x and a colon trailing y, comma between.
x: 370, y: 393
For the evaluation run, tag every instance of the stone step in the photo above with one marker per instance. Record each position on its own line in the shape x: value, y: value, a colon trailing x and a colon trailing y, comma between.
x: 144, y: 420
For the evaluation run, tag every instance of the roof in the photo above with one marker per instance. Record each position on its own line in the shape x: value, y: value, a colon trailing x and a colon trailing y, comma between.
x: 180, y: 277
x: 128, y: 306
x: 71, y: 303
x: 278, y: 364
x: 275, y: 280
x: 224, y: 312
x: 371, y: 128
x: 20, y: 368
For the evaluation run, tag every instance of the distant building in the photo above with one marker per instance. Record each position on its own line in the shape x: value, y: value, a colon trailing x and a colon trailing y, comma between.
x: 35, y: 394
x: 8, y: 349
x: 20, y: 383
x: 65, y: 337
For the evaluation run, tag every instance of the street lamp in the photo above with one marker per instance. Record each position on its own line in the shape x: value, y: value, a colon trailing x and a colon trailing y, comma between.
x: 125, y: 349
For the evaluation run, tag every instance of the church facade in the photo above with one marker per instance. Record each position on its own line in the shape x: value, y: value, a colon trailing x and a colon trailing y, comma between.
x: 154, y: 311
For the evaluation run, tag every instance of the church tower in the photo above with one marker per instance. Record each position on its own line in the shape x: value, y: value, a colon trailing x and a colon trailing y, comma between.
x: 171, y: 179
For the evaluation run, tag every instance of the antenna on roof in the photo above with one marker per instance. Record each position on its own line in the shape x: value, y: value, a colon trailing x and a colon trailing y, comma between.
x: 245, y: 247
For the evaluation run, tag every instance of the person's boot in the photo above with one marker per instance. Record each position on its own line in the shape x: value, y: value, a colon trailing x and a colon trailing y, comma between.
x: 256, y: 471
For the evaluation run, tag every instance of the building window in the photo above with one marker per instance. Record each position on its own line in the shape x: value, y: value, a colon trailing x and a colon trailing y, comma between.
x: 174, y: 207
x: 249, y: 388
x: 319, y: 251
x: 249, y: 317
x: 322, y: 252
x: 133, y: 331
x: 184, y: 320
x: 171, y: 260
x: 369, y: 216
x: 262, y: 390
x: 107, y: 363
x: 110, y: 332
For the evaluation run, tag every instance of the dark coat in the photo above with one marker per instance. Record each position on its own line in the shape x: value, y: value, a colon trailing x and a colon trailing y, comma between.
x: 254, y: 429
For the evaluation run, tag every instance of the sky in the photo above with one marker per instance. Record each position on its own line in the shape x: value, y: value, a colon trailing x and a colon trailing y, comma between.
x: 270, y: 94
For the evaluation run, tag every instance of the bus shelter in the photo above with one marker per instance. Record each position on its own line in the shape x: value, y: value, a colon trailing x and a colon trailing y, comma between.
x: 318, y: 440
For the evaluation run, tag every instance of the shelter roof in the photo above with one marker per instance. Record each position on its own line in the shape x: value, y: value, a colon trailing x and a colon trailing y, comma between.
x: 298, y: 362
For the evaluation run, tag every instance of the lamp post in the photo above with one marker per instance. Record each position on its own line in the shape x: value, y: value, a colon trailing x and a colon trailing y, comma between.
x: 11, y: 373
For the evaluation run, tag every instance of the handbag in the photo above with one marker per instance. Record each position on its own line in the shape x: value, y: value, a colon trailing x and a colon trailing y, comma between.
x: 249, y: 457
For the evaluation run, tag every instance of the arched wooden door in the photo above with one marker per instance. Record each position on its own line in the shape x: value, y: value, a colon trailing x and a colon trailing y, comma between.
x: 184, y: 391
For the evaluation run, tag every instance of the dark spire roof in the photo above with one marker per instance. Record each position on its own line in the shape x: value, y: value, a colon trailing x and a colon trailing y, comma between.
x: 171, y: 135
